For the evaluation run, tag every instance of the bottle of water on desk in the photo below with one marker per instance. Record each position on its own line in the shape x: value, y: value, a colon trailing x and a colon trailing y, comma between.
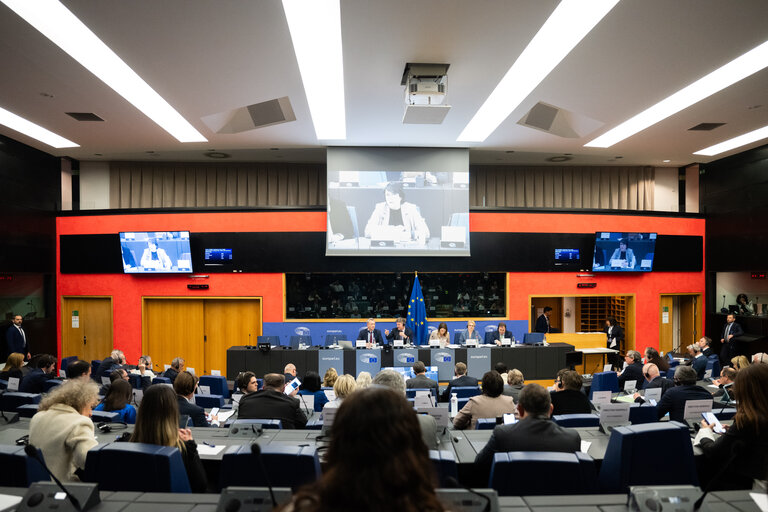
x: 514, y: 342
x: 454, y: 404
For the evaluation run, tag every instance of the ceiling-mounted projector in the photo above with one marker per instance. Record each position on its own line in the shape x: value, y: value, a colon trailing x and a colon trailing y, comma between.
x: 425, y: 87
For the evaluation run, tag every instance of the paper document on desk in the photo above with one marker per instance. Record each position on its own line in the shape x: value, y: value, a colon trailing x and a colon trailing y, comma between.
x: 9, y: 501
x: 761, y: 500
x: 204, y: 449
x: 585, y: 446
x: 225, y: 415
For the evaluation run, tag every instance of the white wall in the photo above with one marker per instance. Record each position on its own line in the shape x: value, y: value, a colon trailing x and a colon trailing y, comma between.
x: 569, y: 322
x: 666, y: 190
x: 731, y: 284
x: 692, y: 188
x: 94, y: 185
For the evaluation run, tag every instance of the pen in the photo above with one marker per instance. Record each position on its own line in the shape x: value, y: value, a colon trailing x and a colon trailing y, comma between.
x: 209, y: 444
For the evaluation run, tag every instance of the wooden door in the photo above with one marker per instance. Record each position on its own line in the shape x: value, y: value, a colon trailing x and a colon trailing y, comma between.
x: 555, y: 318
x: 91, y: 336
x: 229, y: 322
x: 687, y: 320
x: 174, y: 328
x: 666, y: 323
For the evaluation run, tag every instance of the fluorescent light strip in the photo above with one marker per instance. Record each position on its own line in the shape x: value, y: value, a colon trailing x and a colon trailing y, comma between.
x: 33, y: 130
x: 568, y: 24
x: 738, y: 69
x: 315, y: 27
x: 62, y: 27
x: 736, y: 142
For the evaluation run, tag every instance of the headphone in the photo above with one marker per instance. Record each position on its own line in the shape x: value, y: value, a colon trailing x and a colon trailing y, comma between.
x: 647, y: 375
x: 560, y: 384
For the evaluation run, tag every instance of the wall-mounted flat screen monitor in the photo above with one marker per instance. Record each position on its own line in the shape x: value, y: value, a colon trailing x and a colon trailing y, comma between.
x: 156, y: 252
x: 217, y: 257
x: 398, y: 202
x: 624, y: 252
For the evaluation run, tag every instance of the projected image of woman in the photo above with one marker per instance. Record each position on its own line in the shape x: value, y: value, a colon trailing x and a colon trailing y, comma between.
x: 154, y: 257
x: 395, y: 211
x: 624, y: 255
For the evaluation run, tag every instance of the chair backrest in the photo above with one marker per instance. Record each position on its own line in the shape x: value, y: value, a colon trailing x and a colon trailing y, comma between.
x: 633, y: 452
x: 50, y: 384
x: 485, y: 424
x: 713, y: 363
x: 330, y: 339
x: 12, y: 400
x: 444, y: 462
x: 671, y: 373
x: 161, y: 380
x: 136, y: 467
x: 488, y: 338
x: 209, y: 401
x: 533, y: 473
x: 65, y: 362
x: 295, y: 341
x: 604, y: 381
x: 289, y: 466
x: 28, y: 410
x: 105, y: 416
x: 639, y: 414
x: 577, y: 420
x: 95, y: 363
x: 217, y: 383
x: 533, y: 338
x: 18, y: 469
x: 135, y: 380
x: 3, y: 384
x: 274, y: 341
x: 466, y: 391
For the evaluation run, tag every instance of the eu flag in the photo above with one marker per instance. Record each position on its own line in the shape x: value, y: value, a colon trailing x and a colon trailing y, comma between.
x: 417, y: 314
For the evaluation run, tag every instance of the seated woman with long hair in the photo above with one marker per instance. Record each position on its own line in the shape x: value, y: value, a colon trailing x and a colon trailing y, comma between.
x: 311, y: 386
x: 158, y: 423
x: 377, y: 441
x: 118, y: 400
x: 13, y: 366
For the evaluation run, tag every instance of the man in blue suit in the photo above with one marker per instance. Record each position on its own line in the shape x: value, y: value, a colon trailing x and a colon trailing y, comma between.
x: 699, y: 362
x: 16, y: 338
x: 673, y: 401
x: 730, y: 331
x: 370, y: 334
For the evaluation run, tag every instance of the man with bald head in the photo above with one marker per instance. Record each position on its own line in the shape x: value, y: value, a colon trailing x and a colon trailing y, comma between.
x: 653, y: 379
x: 272, y: 403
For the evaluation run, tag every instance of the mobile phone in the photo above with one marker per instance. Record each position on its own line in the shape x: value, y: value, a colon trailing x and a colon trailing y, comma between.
x: 214, y: 412
x: 509, y: 419
x: 711, y: 419
x: 292, y: 386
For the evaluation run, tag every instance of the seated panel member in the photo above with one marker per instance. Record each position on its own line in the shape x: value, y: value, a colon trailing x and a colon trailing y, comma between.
x: 633, y: 370
x: 272, y: 403
x: 421, y: 381
x: 441, y: 334
x: 623, y: 256
x: 470, y: 334
x: 154, y: 257
x: 184, y: 386
x: 567, y: 397
x: 370, y: 334
x: 400, y: 332
x: 673, y: 401
x: 501, y: 332
x: 396, y: 212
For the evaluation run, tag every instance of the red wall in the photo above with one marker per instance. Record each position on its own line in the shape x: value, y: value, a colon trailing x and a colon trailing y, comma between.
x: 127, y: 291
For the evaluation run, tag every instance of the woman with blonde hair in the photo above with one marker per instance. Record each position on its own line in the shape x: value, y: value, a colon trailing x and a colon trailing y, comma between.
x: 158, y: 423
x: 363, y: 380
x: 330, y: 378
x: 344, y: 386
x: 13, y: 366
x: 740, y: 362
x: 62, y: 427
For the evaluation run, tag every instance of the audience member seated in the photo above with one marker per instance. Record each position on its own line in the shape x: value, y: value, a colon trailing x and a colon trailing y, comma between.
x: 375, y: 439
x: 311, y: 386
x: 699, y: 362
x: 725, y: 383
x: 394, y: 381
x: 13, y: 366
x: 34, y: 381
x: 535, y: 432
x: 461, y: 379
x: 736, y: 459
x: 184, y: 385
x: 421, y: 381
x: 704, y: 344
x: 144, y: 367
x: 271, y: 403
x: 115, y: 375
x: 502, y: 369
x: 567, y: 398
x: 344, y: 386
x: 158, y: 423
x: 652, y: 356
x: 62, y: 427
x: 653, y: 379
x: 176, y: 365
x: 760, y: 357
x: 118, y: 400
x: 289, y: 372
x: 330, y: 378
x: 441, y: 335
x: 515, y: 383
x: 633, y: 372
x: 115, y: 360
x: 79, y: 370
x: 740, y: 362
x: 363, y: 380
x: 673, y: 401
x: 491, y: 404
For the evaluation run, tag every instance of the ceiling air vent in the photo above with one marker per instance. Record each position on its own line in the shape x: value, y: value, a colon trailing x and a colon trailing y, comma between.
x: 705, y: 127
x: 84, y: 116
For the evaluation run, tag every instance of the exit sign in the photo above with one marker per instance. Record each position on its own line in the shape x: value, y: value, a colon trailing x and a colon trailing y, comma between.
x: 758, y: 275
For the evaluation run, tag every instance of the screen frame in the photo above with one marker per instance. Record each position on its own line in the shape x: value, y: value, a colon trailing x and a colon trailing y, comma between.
x: 191, y: 270
x: 637, y: 269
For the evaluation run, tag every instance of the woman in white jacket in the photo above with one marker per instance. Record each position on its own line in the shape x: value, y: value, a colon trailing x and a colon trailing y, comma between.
x: 62, y: 427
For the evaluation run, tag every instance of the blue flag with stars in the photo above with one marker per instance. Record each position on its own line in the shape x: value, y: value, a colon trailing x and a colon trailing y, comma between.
x: 417, y: 314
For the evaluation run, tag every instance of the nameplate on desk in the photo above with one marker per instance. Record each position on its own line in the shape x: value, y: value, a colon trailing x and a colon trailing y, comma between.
x: 441, y: 414
x: 360, y: 344
x: 434, y: 343
x: 471, y: 343
x: 630, y: 386
x: 614, y: 414
x: 607, y: 367
x: 694, y: 408
x: 505, y: 342
x: 191, y: 370
x: 216, y: 373
x: 653, y: 394
x: 13, y: 383
x: 204, y: 390
x: 398, y: 343
x: 105, y: 381
x: 329, y: 413
x: 601, y: 397
x: 62, y: 374
x: 707, y: 374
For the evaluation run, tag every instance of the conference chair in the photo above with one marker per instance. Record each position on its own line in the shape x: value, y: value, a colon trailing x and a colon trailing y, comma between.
x: 105, y: 417
x: 3, y: 384
x: 50, y: 384
x: 288, y: 466
x: 542, y: 473
x: 95, y: 363
x: 488, y: 338
x: 330, y: 339
x: 161, y: 380
x: 533, y: 338
x: 65, y: 362
x: 274, y: 341
x: 713, y: 364
x: 18, y: 469
x: 351, y: 210
x: 28, y: 410
x: 411, y: 393
x: 485, y: 424
x: 136, y: 467
x: 135, y: 380
x: 295, y: 341
x: 444, y: 462
x: 209, y: 401
x: 217, y: 384
x: 604, y: 381
x: 640, y: 414
x: 671, y: 374
x: 576, y: 420
x: 11, y: 401
x: 465, y: 391
x: 633, y: 454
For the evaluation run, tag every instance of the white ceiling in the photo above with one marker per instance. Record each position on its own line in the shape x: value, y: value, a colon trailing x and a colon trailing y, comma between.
x: 208, y: 56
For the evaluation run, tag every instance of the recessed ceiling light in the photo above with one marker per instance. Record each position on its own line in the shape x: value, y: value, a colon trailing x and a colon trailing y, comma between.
x: 217, y: 154
x: 738, y: 69
x: 741, y: 140
x: 62, y: 27
x: 558, y: 159
x: 564, y: 29
x: 666, y: 161
x: 33, y: 130
x: 315, y: 27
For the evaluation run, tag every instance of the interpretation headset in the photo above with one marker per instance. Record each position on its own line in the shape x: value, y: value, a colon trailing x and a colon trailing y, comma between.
x: 647, y: 375
x: 560, y: 384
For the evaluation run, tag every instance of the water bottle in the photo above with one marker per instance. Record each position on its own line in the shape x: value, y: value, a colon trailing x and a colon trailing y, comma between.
x: 454, y: 404
x: 514, y: 341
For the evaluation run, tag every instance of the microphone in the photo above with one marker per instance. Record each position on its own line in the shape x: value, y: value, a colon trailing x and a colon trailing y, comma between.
x: 256, y: 451
x: 31, y: 452
x: 456, y: 484
x: 723, y: 301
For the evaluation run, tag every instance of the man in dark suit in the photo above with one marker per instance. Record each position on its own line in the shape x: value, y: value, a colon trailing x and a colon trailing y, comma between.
x: 699, y: 362
x: 500, y: 332
x: 633, y: 370
x: 673, y: 401
x: 421, y: 381
x: 176, y: 365
x: 542, y: 323
x: 184, y: 386
x: 461, y: 380
x: 16, y: 338
x: 34, y: 381
x: 567, y: 397
x: 705, y: 343
x: 109, y: 364
x: 730, y: 331
x: 615, y: 340
x: 370, y: 334
x: 653, y: 379
x: 272, y: 403
x: 534, y: 432
x: 400, y: 332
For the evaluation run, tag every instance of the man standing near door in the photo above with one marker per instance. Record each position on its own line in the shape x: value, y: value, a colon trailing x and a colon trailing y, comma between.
x: 730, y: 331
x: 16, y: 338
x: 542, y: 323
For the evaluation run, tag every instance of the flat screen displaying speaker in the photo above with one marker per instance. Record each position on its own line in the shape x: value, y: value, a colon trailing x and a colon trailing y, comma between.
x: 624, y: 252
x: 156, y: 252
